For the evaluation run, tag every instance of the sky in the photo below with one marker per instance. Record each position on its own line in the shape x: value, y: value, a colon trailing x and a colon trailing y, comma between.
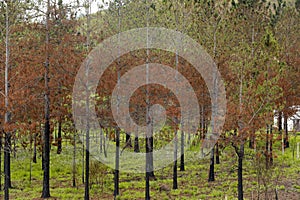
x: 95, y: 4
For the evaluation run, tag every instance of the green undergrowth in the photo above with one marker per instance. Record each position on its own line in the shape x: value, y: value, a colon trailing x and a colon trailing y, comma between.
x: 284, y: 175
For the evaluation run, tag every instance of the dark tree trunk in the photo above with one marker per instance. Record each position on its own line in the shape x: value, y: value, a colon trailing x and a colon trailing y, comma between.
x: 280, y: 122
x: 211, y: 176
x: 116, y: 172
x: 286, y: 138
x: 46, y: 186
x: 182, y: 152
x: 217, y: 154
x: 59, y: 139
x: 87, y: 163
x: 128, y: 140
x: 175, y: 185
x: 74, y: 160
x: 9, y: 162
x: 240, y: 154
x: 136, y: 144
x: 7, y: 166
x: 151, y: 158
x: 148, y: 168
x: 30, y: 161
x: 7, y: 147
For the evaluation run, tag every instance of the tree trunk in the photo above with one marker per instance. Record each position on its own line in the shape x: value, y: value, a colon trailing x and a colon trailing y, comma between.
x: 280, y: 130
x: 74, y: 160
x: 87, y: 161
x: 46, y: 149
x: 128, y: 141
x: 9, y: 162
x: 240, y: 172
x: 136, y: 144
x: 6, y: 166
x: 151, y: 158
x: 59, y: 139
x: 211, y: 176
x: 87, y: 135
x: 116, y: 173
x: 148, y: 146
x: 30, y: 161
x: 280, y: 122
x: 286, y: 138
x: 175, y: 185
x: 217, y: 154
x: 7, y: 180
x: 46, y: 161
x: 182, y: 152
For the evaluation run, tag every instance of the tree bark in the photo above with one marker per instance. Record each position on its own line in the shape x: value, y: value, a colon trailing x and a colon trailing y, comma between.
x: 6, y: 166
x: 148, y: 172
x: 151, y: 157
x: 240, y: 172
x: 211, y: 176
x: 59, y: 139
x: 280, y: 122
x: 175, y: 185
x: 46, y: 149
x: 46, y: 177
x: 7, y: 147
x: 30, y: 161
x: 46, y: 136
x: 217, y: 154
x: 136, y: 144
x: 286, y: 137
x: 74, y: 160
x: 182, y: 152
x: 116, y: 172
x: 87, y: 162
x: 128, y: 141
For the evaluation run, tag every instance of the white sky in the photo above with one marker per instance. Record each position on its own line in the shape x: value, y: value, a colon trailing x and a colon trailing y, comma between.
x: 95, y: 4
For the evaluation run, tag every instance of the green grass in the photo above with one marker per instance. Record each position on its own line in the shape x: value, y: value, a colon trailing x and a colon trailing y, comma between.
x: 284, y: 175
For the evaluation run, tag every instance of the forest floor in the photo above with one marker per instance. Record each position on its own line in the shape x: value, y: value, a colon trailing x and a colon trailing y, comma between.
x: 283, y: 177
